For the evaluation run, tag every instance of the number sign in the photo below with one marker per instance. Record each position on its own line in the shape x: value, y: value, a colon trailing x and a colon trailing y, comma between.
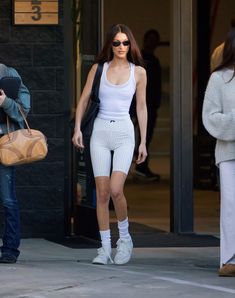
x: 36, y: 12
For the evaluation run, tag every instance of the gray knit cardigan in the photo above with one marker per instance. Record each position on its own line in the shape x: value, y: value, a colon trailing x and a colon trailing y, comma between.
x: 218, y: 113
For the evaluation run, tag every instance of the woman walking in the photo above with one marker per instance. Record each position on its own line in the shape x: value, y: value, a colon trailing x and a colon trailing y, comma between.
x: 219, y: 120
x: 113, y: 131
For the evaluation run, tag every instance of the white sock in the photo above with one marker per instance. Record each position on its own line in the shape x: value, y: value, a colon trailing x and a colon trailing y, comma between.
x: 106, y: 240
x: 123, y: 229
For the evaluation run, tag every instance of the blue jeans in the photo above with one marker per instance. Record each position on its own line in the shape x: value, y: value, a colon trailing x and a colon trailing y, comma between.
x: 11, y: 234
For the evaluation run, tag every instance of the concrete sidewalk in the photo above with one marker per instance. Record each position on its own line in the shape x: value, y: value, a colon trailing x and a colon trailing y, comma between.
x: 48, y: 270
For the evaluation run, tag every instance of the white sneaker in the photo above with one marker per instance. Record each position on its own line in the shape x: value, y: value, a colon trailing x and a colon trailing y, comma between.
x: 103, y: 257
x: 124, y: 251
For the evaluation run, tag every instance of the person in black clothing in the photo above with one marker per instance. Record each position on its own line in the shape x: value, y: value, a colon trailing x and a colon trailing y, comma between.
x: 153, y: 96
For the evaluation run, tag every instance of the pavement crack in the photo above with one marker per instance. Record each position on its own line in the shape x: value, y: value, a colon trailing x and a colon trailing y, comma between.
x: 65, y: 288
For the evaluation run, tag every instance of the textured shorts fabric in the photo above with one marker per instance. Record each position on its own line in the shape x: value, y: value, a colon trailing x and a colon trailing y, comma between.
x: 112, y: 146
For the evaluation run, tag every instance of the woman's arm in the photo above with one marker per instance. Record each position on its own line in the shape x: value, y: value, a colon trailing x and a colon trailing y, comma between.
x: 141, y: 111
x: 81, y: 107
x: 220, y: 125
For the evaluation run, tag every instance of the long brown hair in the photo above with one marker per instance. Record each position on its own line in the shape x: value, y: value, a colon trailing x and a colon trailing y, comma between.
x: 133, y: 54
x: 228, y: 60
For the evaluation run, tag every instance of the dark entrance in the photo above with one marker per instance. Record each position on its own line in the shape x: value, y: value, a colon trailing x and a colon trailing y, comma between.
x: 83, y: 200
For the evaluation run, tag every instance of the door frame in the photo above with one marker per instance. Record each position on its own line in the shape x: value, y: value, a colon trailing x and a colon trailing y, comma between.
x: 181, y: 189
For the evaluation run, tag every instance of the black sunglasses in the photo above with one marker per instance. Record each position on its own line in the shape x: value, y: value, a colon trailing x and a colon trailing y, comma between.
x: 117, y: 43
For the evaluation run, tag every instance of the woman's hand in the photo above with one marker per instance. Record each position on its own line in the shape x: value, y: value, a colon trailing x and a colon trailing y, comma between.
x: 2, y: 96
x: 78, y: 139
x: 142, y: 154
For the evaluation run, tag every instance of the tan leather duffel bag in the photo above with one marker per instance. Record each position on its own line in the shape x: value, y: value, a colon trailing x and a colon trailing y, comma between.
x: 23, y: 145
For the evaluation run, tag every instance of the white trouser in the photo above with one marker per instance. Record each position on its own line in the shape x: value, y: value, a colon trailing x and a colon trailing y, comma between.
x: 227, y: 212
x: 115, y: 136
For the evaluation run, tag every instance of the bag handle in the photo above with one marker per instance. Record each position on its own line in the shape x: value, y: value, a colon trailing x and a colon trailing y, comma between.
x: 24, y: 118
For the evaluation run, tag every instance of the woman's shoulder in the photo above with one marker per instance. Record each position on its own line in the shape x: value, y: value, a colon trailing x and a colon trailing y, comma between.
x: 222, y: 75
x: 140, y: 71
x: 93, y: 70
x: 94, y: 67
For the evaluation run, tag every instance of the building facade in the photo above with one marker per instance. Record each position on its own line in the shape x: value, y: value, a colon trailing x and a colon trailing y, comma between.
x: 46, y: 56
x: 37, y: 52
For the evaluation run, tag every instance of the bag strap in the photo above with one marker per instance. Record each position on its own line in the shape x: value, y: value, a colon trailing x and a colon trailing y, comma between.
x: 96, y: 83
x: 24, y: 118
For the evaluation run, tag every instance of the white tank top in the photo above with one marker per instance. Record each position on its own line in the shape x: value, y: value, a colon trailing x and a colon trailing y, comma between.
x: 115, y: 100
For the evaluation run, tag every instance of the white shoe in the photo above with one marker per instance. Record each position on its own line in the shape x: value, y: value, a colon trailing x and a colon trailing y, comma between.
x: 103, y: 257
x: 124, y: 251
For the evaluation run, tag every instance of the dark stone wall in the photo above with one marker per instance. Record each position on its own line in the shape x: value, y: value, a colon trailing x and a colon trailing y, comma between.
x: 37, y: 52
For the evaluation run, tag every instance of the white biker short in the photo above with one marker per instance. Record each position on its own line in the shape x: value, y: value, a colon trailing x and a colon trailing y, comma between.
x: 112, y: 136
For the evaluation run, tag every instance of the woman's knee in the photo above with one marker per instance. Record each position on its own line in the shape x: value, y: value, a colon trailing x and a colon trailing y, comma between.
x: 103, y: 196
x: 116, y: 194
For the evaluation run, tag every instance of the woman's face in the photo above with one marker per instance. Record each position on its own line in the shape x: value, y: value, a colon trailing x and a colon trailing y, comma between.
x: 120, y: 45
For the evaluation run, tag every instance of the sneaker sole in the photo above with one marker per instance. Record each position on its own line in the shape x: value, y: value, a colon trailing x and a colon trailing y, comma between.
x: 96, y: 263
x: 99, y: 263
